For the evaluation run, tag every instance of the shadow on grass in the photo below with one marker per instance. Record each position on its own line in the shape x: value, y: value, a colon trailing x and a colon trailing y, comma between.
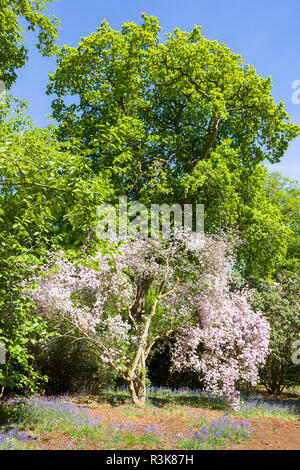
x: 194, y: 401
x: 119, y: 398
x: 287, y: 397
x: 115, y: 399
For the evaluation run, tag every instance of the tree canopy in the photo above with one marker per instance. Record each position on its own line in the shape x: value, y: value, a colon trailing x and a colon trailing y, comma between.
x: 13, y: 53
x: 192, y: 122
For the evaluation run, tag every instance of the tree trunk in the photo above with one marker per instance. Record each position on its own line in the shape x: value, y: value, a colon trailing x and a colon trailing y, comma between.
x: 142, y: 286
x: 277, y: 390
x: 137, y: 382
x: 137, y: 390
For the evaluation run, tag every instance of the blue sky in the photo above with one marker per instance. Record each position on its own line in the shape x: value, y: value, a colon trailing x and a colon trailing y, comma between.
x: 266, y: 33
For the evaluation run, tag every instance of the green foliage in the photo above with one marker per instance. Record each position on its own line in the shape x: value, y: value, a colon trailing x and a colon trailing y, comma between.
x: 281, y: 306
x: 13, y: 53
x: 19, y: 330
x: 71, y: 366
x: 263, y: 227
x: 280, y: 300
x: 285, y: 194
x: 48, y: 198
x: 48, y: 195
x: 182, y: 121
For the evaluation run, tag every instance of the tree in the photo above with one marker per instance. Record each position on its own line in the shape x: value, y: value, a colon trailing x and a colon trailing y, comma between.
x: 123, y: 304
x: 48, y: 199
x: 264, y: 228
x: 192, y: 121
x: 49, y: 196
x: 285, y: 194
x: 279, y: 300
x: 280, y: 304
x: 19, y: 331
x: 13, y: 53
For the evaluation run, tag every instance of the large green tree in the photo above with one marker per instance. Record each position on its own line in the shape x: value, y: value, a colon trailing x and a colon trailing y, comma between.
x: 192, y: 122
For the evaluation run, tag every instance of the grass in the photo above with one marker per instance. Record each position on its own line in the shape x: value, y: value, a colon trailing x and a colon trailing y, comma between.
x: 8, y: 442
x: 163, y: 396
x: 24, y: 423
x: 251, y: 406
x: 217, y: 433
x: 42, y: 416
x: 256, y: 405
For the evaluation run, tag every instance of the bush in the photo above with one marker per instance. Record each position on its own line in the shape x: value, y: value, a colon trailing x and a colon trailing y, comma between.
x: 280, y: 304
x: 72, y: 367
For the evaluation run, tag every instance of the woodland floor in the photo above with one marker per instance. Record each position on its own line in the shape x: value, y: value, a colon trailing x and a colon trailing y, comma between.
x: 172, y: 421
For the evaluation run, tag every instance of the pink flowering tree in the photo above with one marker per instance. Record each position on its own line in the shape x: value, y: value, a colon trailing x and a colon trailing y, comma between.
x: 233, y: 339
x: 124, y: 302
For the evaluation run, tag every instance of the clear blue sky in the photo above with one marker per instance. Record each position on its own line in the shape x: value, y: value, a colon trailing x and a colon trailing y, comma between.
x: 265, y: 32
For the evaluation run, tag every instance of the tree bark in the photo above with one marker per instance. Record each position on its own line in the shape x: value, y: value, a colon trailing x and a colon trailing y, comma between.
x: 137, y: 390
x: 142, y: 286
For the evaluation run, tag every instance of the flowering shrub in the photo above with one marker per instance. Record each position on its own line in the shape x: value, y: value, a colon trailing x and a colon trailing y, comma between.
x: 233, y: 337
x: 123, y: 303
